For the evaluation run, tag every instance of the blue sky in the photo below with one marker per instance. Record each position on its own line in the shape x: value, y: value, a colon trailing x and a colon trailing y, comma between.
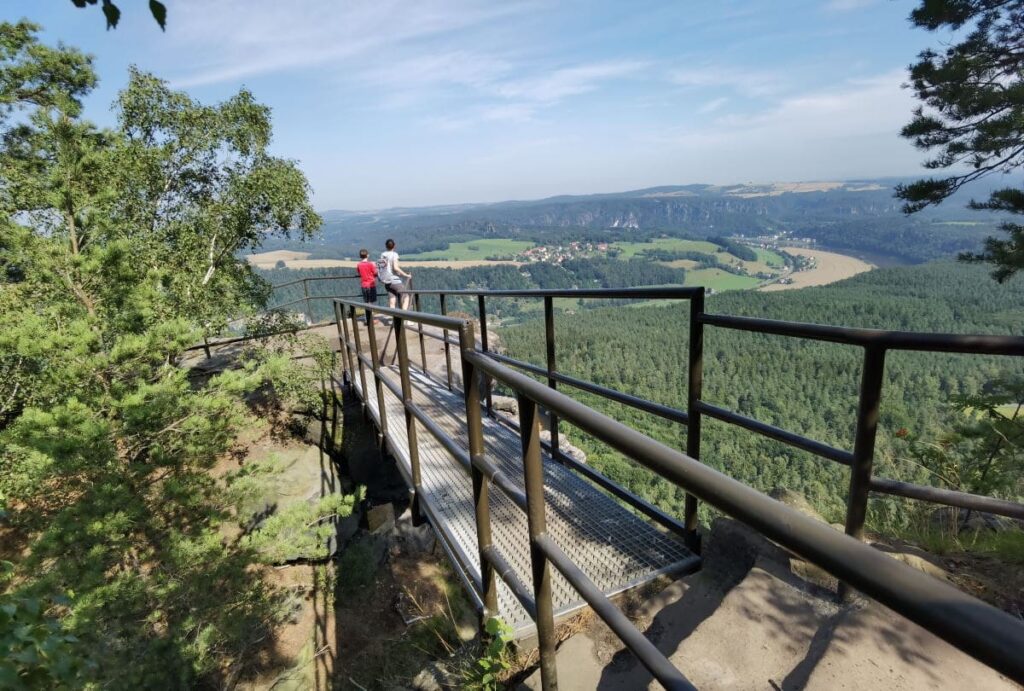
x: 436, y: 101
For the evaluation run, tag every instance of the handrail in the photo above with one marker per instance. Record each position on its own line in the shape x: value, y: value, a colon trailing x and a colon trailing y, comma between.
x: 889, y: 340
x: 988, y: 634
x: 984, y: 632
x: 493, y: 563
x: 637, y: 293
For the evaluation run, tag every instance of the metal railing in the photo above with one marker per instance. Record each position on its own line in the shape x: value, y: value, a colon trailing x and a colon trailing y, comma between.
x: 876, y: 343
x: 986, y: 633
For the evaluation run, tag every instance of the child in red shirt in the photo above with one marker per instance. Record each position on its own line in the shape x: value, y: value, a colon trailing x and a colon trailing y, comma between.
x: 367, y: 280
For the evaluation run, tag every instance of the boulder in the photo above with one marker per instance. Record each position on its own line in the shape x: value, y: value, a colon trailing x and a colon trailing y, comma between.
x: 796, y: 501
x: 953, y: 519
x: 565, y: 447
x: 381, y: 518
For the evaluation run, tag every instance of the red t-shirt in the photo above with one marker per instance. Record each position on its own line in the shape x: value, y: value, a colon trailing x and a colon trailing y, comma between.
x: 367, y: 273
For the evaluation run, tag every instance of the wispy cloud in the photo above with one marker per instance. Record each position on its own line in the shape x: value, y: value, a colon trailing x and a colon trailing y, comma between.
x: 568, y: 81
x: 858, y: 107
x: 743, y: 81
x: 848, y: 5
x: 712, y: 105
x: 270, y: 37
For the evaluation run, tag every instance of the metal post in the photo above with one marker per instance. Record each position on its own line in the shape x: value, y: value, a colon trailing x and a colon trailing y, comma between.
x: 481, y: 485
x: 549, y: 341
x: 359, y: 348
x: 482, y: 310
x: 864, y: 445
x: 206, y: 348
x: 410, y: 419
x: 375, y: 360
x: 305, y: 290
x: 529, y: 432
x: 694, y: 390
x: 342, y: 325
x: 447, y: 346
x: 423, y: 349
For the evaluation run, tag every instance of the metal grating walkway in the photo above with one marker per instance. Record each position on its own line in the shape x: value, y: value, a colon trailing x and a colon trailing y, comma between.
x: 615, y: 548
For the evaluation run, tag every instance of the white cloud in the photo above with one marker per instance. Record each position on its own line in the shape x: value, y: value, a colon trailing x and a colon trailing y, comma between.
x: 712, y: 105
x: 568, y: 81
x: 234, y: 39
x: 848, y: 5
x: 754, y: 83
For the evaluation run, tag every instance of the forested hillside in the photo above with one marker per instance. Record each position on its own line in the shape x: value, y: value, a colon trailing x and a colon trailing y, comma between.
x: 808, y: 388
x: 859, y: 218
x: 579, y: 273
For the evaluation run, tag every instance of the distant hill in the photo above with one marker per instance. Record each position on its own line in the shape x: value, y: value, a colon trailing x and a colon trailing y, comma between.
x: 860, y: 217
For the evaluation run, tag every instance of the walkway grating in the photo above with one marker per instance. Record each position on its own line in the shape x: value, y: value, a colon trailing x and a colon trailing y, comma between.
x: 615, y: 548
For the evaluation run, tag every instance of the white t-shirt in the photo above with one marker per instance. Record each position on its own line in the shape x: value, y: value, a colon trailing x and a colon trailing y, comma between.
x: 386, y: 267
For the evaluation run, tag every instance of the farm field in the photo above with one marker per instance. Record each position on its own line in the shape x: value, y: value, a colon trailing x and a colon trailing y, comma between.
x: 831, y: 267
x: 719, y: 280
x: 474, y: 250
x: 299, y: 260
x: 632, y: 249
x: 769, y: 258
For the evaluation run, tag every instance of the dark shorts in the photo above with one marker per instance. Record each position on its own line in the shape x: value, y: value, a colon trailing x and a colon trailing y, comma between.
x: 370, y: 294
x: 396, y: 289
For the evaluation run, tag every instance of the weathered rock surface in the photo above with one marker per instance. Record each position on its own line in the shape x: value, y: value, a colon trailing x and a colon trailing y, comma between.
x: 747, y: 621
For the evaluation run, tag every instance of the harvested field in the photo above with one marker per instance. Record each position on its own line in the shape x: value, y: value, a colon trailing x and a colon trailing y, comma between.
x: 831, y: 267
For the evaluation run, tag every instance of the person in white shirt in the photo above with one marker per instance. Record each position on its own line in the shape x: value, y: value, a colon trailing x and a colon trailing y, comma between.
x: 391, y: 275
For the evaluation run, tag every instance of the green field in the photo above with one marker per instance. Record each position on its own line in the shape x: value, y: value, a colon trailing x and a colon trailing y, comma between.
x: 632, y: 249
x: 719, y: 280
x: 770, y: 258
x: 475, y: 250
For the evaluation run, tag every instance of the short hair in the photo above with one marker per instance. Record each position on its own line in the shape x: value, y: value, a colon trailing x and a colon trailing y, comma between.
x: 363, y: 254
x: 390, y: 244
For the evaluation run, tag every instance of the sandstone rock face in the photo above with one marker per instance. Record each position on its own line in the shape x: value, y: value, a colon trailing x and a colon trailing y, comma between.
x: 749, y: 621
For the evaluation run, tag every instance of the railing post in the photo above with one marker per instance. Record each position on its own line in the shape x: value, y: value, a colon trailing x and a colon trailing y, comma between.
x: 342, y: 325
x: 410, y: 419
x: 305, y: 290
x: 379, y: 385
x: 423, y: 349
x: 359, y: 348
x: 481, y: 485
x: 206, y: 348
x: 694, y: 391
x: 533, y: 469
x: 482, y: 311
x: 447, y: 346
x: 549, y: 341
x: 864, y: 441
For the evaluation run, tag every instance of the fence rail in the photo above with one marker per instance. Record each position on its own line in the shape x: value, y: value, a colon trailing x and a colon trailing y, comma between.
x: 982, y: 631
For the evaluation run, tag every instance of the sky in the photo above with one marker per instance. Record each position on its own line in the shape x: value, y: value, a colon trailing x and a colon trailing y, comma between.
x: 422, y: 102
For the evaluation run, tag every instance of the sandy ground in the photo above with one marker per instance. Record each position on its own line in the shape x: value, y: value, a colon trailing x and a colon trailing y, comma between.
x: 300, y: 260
x: 831, y: 267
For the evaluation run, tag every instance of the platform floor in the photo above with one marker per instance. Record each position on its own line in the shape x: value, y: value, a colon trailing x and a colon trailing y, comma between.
x: 617, y: 549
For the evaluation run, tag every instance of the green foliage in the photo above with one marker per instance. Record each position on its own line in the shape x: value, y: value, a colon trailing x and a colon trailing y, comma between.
x: 974, y: 95
x: 112, y: 13
x: 35, y: 652
x: 494, y: 660
x: 300, y: 529
x: 356, y: 569
x: 982, y: 451
x: 118, y: 252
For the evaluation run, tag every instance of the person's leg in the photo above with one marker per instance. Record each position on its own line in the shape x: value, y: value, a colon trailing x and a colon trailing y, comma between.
x: 392, y: 295
x: 366, y: 299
